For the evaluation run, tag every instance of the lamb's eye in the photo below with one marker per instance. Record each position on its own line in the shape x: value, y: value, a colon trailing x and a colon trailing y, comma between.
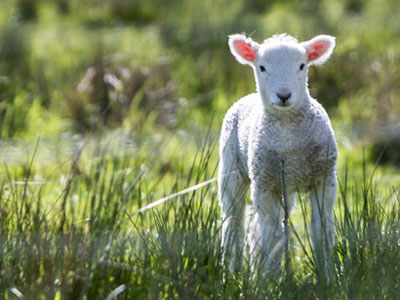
x: 302, y: 67
x: 262, y: 68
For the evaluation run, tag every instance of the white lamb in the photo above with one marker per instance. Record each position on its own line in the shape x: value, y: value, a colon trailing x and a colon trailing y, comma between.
x: 279, y: 122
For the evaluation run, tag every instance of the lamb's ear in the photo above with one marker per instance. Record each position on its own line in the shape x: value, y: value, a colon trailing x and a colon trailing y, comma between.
x: 243, y: 49
x: 319, y: 49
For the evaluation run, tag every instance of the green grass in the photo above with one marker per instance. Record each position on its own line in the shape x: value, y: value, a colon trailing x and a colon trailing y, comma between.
x: 75, y: 234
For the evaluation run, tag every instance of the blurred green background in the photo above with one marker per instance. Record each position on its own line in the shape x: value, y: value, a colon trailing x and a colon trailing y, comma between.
x: 154, y: 65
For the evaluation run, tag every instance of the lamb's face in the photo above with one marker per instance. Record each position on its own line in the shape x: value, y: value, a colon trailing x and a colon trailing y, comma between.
x: 280, y: 65
x: 281, y: 74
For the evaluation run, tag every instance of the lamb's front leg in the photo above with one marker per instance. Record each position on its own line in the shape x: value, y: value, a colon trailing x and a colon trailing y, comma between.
x: 322, y: 227
x: 233, y: 189
x: 266, y: 237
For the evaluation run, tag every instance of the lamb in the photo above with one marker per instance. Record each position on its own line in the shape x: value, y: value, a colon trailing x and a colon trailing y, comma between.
x: 281, y: 121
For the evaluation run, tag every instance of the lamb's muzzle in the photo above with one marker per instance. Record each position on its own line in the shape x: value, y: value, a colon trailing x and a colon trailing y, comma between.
x: 284, y: 97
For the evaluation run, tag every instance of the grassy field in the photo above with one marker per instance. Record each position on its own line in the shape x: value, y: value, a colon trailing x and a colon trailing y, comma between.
x: 69, y: 228
x: 107, y: 106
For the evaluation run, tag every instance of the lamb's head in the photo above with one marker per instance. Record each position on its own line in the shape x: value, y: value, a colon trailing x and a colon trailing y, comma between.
x: 280, y: 65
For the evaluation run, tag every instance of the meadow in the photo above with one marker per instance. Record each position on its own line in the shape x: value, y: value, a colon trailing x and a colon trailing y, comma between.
x: 107, y: 106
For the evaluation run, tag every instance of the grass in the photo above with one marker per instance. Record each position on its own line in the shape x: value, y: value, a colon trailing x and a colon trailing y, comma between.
x: 73, y: 234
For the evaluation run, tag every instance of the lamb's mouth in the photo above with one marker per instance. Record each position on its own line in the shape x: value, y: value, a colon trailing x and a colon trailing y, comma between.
x: 283, y: 105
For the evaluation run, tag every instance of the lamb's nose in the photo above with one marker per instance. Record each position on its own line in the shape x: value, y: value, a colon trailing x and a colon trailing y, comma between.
x: 284, y: 97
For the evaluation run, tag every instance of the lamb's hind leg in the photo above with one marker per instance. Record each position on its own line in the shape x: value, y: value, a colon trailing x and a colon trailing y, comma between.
x: 232, y: 187
x: 323, y: 195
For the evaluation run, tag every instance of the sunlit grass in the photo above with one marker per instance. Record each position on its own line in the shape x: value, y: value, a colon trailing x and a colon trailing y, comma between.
x: 73, y: 231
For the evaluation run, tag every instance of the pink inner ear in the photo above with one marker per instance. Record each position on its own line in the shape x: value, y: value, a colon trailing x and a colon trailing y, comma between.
x: 316, y: 50
x: 244, y: 50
